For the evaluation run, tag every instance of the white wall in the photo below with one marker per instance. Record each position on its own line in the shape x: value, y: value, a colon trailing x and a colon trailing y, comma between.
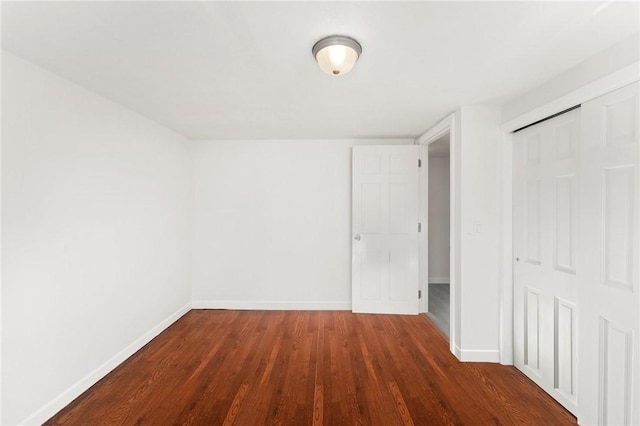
x: 95, y: 237
x: 476, y: 158
x: 481, y: 231
x: 613, y: 59
x: 439, y: 219
x: 272, y: 223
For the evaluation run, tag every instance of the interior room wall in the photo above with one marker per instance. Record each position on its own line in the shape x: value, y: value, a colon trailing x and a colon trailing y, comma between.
x: 439, y: 219
x: 272, y: 223
x: 95, y: 221
x: 613, y: 59
x: 476, y: 151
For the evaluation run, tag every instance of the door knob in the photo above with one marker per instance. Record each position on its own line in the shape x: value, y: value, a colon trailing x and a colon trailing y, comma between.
x: 357, y: 237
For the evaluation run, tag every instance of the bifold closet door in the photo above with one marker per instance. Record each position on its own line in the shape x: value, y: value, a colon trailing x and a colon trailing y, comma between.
x: 609, y: 298
x: 545, y: 229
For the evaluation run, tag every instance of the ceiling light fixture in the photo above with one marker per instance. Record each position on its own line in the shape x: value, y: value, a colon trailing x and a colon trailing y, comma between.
x: 336, y: 54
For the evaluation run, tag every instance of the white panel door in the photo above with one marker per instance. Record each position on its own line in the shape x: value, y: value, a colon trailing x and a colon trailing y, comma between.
x: 609, y: 294
x: 545, y: 229
x: 385, y: 229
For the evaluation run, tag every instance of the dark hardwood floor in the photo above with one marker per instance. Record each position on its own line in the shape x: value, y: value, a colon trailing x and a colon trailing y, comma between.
x: 305, y: 368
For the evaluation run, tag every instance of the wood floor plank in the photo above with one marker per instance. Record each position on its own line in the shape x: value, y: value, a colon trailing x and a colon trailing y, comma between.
x: 215, y: 367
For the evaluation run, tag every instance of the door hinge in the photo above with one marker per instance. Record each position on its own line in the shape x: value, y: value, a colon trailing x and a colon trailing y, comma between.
x: 419, y: 162
x: 419, y: 227
x: 419, y: 294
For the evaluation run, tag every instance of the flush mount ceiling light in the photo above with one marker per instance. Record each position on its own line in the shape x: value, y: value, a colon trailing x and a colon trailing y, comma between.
x: 336, y: 54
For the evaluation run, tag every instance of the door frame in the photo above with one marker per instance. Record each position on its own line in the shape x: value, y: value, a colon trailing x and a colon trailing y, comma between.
x: 446, y: 125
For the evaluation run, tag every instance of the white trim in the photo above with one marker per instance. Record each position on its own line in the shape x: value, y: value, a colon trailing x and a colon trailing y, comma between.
x: 1, y: 275
x: 423, y: 248
x: 606, y: 84
x: 443, y: 126
x: 58, y: 403
x: 457, y: 352
x: 439, y: 280
x: 477, y: 355
x: 448, y: 124
x: 506, y: 267
x: 271, y: 305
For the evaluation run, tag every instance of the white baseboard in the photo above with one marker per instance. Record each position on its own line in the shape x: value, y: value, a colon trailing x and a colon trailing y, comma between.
x: 270, y: 305
x: 439, y: 280
x: 477, y: 355
x: 457, y: 352
x: 62, y: 400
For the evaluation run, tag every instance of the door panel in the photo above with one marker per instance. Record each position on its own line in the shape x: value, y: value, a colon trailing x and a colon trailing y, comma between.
x: 385, y: 229
x: 532, y: 330
x: 545, y: 232
x: 565, y: 223
x: 609, y: 299
x: 565, y: 343
x: 618, y: 209
x: 533, y: 221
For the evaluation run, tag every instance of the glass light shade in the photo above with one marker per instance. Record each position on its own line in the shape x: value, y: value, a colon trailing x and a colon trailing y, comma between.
x: 336, y: 55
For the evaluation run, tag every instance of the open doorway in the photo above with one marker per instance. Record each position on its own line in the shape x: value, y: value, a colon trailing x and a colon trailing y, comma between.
x: 439, y: 233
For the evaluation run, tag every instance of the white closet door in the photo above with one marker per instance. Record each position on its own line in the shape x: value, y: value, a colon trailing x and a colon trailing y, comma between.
x: 545, y: 230
x: 609, y: 299
x: 385, y: 229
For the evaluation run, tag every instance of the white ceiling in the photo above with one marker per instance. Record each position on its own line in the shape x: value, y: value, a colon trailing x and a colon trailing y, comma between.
x: 236, y: 70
